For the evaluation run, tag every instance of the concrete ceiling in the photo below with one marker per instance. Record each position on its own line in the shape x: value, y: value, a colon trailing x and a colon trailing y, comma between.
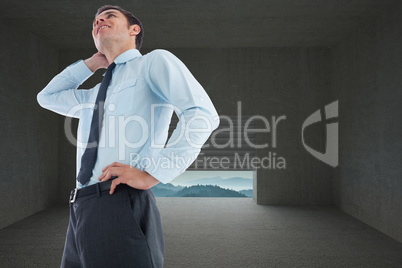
x: 203, y: 23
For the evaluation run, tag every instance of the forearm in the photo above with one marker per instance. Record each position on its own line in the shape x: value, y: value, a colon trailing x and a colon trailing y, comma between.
x: 59, y: 95
x: 184, y: 145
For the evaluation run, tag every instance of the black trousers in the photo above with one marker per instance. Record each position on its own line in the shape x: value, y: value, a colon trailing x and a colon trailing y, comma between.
x: 119, y: 230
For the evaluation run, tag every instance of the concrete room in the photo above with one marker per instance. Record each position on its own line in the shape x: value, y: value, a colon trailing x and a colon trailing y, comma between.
x: 272, y: 59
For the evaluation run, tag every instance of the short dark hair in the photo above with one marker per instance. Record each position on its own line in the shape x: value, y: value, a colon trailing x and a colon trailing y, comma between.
x: 131, y: 19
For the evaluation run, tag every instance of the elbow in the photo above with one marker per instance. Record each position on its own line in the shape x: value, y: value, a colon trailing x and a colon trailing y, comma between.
x: 215, y: 121
x: 41, y: 100
x: 44, y: 100
x: 212, y: 117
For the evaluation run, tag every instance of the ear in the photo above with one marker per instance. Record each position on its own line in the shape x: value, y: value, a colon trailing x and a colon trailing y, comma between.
x: 134, y: 30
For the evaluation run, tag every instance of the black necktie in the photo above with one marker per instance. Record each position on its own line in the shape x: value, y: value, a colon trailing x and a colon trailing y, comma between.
x: 91, y: 152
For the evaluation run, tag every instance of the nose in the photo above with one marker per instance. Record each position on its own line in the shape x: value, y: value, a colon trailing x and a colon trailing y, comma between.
x: 99, y: 20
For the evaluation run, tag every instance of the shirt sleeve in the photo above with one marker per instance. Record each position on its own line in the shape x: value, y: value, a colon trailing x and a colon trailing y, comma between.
x: 170, y: 79
x: 61, y: 94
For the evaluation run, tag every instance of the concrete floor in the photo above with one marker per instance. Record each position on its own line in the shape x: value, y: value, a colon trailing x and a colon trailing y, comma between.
x: 224, y: 232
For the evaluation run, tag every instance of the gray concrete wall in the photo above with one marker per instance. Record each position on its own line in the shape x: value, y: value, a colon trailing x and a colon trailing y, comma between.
x: 366, y: 78
x: 293, y: 82
x: 28, y: 156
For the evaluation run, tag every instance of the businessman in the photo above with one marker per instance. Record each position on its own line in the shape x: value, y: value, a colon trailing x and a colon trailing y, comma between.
x: 123, y: 148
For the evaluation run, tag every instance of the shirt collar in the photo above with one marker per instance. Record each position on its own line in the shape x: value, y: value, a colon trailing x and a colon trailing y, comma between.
x: 127, y: 55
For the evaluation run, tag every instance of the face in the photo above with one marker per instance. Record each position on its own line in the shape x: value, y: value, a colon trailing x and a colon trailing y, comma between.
x: 111, y: 27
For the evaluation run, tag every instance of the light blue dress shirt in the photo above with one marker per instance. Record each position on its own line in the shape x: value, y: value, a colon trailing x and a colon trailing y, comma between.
x: 142, y: 95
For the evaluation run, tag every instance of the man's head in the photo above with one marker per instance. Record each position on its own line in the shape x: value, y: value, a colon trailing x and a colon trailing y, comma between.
x: 109, y: 12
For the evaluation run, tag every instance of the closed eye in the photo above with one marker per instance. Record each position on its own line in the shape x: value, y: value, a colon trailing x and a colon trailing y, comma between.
x: 109, y: 14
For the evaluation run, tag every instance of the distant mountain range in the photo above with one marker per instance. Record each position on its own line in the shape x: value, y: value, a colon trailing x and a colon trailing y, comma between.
x: 169, y: 190
x: 248, y: 193
x: 234, y: 183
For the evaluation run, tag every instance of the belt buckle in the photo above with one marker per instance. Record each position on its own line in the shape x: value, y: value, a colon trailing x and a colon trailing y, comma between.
x: 73, y: 195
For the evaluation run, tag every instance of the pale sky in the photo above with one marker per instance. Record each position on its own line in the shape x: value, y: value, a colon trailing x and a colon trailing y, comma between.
x: 188, y: 176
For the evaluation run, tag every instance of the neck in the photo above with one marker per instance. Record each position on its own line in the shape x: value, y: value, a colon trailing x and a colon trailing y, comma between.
x: 112, y: 52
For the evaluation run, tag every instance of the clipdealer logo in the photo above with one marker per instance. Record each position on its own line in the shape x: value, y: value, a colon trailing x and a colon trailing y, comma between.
x: 330, y: 156
x: 237, y: 146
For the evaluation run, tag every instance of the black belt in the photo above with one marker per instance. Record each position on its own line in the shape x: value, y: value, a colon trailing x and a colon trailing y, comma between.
x: 96, y: 188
